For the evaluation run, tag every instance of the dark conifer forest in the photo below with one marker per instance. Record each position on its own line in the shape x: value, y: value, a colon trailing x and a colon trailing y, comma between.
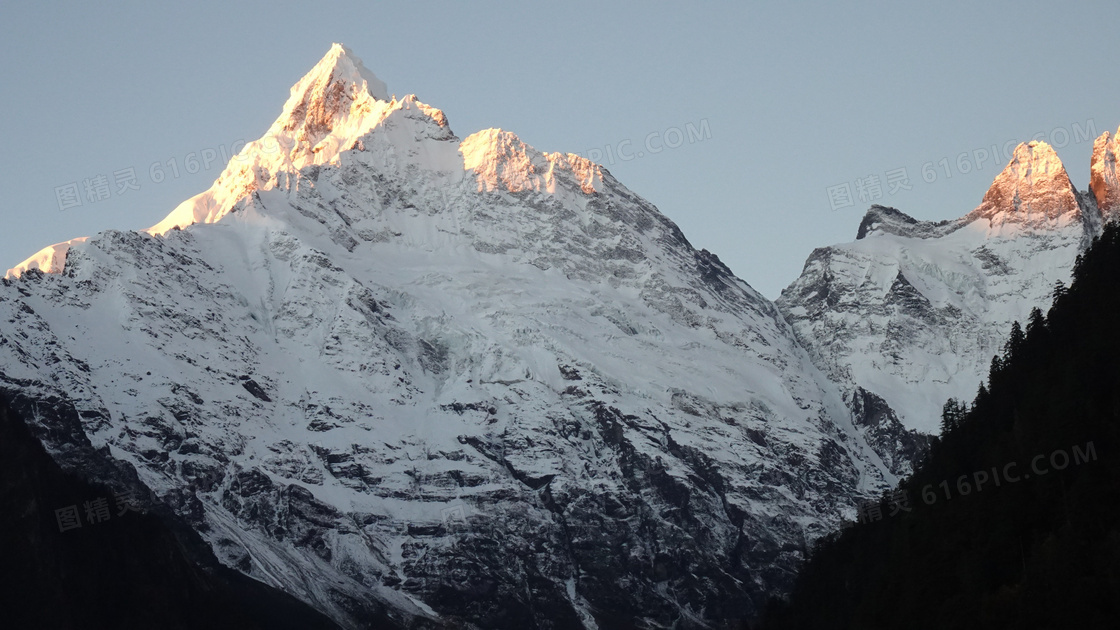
x: 1011, y: 521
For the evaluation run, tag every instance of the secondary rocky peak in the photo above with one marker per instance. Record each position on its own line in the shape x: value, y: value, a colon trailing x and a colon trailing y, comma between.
x: 500, y: 160
x: 1033, y: 190
x: 1103, y: 179
x: 886, y: 220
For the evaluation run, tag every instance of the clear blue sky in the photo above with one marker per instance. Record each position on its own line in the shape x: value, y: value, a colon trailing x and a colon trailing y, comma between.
x: 798, y: 97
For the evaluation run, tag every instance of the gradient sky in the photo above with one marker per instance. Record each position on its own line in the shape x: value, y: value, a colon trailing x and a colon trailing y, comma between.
x: 798, y: 98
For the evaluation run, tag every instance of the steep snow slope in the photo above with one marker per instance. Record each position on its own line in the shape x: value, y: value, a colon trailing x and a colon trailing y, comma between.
x: 461, y: 381
x: 913, y: 311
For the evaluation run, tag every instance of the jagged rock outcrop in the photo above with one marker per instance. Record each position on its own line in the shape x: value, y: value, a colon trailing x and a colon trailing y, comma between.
x: 1103, y: 180
x: 1033, y: 190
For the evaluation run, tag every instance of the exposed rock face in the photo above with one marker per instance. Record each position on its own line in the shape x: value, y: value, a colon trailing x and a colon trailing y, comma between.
x: 1033, y: 190
x: 913, y: 311
x: 901, y: 449
x: 1103, y: 180
x: 459, y: 382
x: 131, y: 568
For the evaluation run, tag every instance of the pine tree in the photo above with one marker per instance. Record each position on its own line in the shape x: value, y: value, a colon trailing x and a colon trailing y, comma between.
x: 981, y: 396
x: 994, y: 370
x: 948, y: 416
x: 1036, y: 323
x: 1014, y: 343
x: 952, y: 414
x: 1059, y: 290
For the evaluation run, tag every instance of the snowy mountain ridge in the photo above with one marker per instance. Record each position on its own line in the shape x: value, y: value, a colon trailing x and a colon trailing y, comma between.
x: 913, y: 311
x: 462, y: 383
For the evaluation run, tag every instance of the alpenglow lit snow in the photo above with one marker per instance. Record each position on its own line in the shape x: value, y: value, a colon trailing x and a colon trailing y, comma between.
x: 383, y: 368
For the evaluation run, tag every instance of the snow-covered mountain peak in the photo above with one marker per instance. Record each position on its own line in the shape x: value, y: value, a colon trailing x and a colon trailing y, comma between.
x: 340, y: 109
x: 381, y: 366
x: 912, y: 311
x: 339, y: 71
x: 1033, y: 191
x: 330, y: 109
x: 1103, y: 179
x: 333, y: 97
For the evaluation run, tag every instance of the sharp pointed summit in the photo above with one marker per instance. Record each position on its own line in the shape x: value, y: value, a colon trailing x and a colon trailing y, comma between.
x: 335, y: 96
x: 328, y: 111
x: 1033, y: 190
x: 341, y: 65
x: 337, y: 102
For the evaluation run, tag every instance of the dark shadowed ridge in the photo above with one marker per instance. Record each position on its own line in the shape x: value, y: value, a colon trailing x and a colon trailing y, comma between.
x: 134, y: 570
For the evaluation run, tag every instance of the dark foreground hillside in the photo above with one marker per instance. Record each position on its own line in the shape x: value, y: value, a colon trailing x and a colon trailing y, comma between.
x: 1012, y: 520
x: 119, y: 568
